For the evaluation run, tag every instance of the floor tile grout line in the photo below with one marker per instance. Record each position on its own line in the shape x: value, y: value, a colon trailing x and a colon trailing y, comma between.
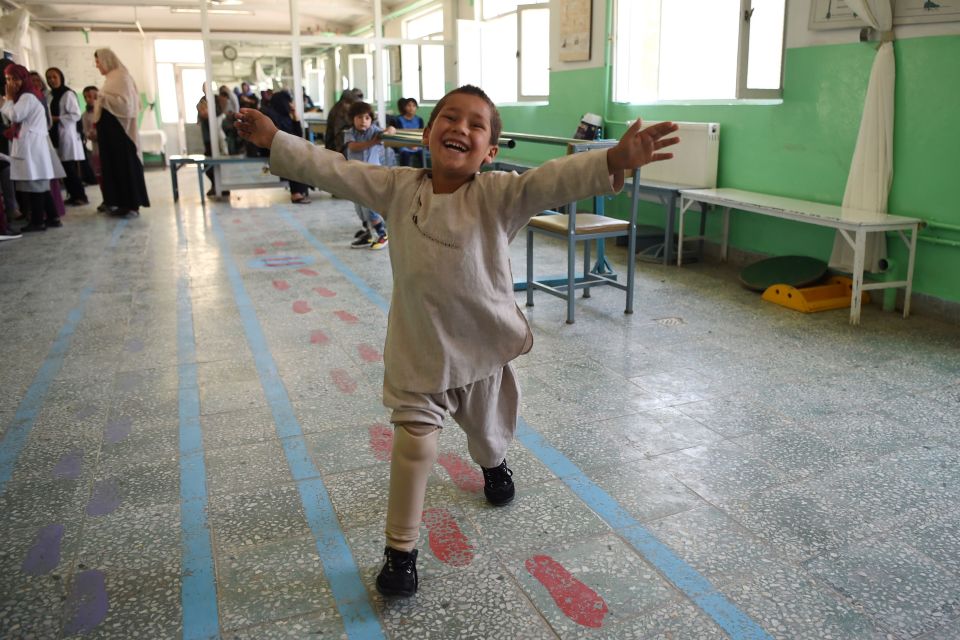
x: 684, y: 577
x: 340, y: 568
x: 15, y: 437
x: 198, y: 592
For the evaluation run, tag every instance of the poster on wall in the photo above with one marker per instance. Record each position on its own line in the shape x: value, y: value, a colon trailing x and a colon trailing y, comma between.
x: 575, y: 28
x: 837, y: 14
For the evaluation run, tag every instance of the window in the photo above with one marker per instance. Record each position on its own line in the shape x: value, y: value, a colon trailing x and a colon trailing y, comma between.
x: 506, y: 50
x: 179, y: 60
x: 422, y: 65
x: 698, y: 49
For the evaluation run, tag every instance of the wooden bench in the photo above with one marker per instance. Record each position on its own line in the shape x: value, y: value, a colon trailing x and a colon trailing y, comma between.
x: 846, y: 221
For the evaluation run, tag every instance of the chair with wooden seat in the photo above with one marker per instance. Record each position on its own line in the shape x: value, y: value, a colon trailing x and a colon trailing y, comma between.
x: 576, y: 227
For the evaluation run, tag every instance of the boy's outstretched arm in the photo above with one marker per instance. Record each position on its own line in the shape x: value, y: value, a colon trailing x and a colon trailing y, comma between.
x: 638, y: 147
x: 256, y: 127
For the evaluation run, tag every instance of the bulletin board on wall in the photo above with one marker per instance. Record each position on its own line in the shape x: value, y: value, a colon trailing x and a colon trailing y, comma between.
x: 837, y: 14
x: 576, y: 27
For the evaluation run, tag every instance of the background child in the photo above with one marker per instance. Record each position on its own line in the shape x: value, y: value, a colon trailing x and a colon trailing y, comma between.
x: 454, y: 324
x: 362, y: 142
x: 408, y: 119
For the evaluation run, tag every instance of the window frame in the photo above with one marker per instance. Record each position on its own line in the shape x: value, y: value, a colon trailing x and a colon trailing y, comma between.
x: 426, y: 40
x: 741, y: 91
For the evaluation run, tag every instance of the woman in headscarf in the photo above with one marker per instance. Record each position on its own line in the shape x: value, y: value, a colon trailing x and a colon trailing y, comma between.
x: 281, y: 110
x: 115, y: 115
x: 33, y: 163
x: 65, y: 133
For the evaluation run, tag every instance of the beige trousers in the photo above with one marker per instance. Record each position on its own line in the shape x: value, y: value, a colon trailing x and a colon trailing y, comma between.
x: 487, y: 412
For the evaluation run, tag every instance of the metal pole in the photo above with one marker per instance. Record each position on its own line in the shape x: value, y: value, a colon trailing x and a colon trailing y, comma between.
x: 378, y: 61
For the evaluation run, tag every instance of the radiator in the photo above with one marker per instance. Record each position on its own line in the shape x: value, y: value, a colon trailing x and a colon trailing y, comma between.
x: 695, y: 157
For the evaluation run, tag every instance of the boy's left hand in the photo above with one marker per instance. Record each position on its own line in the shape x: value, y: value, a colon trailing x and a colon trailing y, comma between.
x: 390, y: 131
x: 639, y: 147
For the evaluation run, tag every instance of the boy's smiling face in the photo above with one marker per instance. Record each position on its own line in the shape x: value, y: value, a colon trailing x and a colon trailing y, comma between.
x: 459, y: 138
x: 362, y: 122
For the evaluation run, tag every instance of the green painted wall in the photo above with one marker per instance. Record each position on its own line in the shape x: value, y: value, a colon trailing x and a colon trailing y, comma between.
x: 802, y: 147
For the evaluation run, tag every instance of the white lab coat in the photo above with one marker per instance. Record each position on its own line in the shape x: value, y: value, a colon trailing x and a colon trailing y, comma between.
x: 71, y: 146
x: 31, y: 152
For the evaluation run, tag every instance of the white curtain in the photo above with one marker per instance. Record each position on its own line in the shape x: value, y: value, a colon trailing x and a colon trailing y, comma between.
x: 871, y: 170
x: 14, y: 37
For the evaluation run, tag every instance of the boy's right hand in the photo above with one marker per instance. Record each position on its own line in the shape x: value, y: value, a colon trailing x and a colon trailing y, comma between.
x: 255, y: 127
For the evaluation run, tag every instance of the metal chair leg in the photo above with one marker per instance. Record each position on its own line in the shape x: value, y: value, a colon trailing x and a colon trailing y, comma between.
x: 529, y: 267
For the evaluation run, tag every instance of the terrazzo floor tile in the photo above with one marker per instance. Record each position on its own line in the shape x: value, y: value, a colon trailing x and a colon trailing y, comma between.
x: 271, y: 582
x: 540, y: 517
x: 258, y: 517
x: 129, y: 487
x: 493, y: 607
x: 673, y: 621
x: 646, y: 490
x: 721, y: 472
x: 710, y: 542
x: 905, y: 592
x: 231, y: 396
x: 732, y: 417
x: 246, y: 468
x: 237, y: 428
x: 789, y: 604
x: 794, y: 451
x: 619, y: 585
x: 324, y: 625
x: 659, y: 431
x: 62, y: 500
x: 33, y: 610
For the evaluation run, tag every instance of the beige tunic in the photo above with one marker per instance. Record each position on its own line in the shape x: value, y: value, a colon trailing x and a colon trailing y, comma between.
x: 453, y: 316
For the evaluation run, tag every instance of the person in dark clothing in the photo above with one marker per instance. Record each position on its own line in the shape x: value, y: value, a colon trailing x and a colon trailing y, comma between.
x: 11, y: 207
x: 338, y: 120
x: 65, y: 133
x: 203, y: 114
x: 281, y: 111
x: 115, y: 115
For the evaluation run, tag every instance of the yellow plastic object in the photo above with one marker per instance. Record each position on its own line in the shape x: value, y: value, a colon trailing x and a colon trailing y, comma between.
x: 833, y: 295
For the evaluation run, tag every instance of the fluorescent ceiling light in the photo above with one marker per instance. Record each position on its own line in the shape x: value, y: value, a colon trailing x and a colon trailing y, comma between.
x: 223, y: 12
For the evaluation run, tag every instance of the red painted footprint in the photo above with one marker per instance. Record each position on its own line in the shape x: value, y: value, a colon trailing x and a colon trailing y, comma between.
x: 301, y: 306
x: 381, y: 442
x: 447, y: 542
x: 345, y: 384
x: 346, y: 316
x: 279, y: 243
x: 464, y: 474
x: 318, y: 337
x: 323, y: 291
x: 259, y: 251
x: 282, y: 285
x: 578, y: 602
x: 308, y: 272
x: 369, y: 354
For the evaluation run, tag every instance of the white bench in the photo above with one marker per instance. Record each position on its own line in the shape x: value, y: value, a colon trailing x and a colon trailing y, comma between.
x: 846, y: 221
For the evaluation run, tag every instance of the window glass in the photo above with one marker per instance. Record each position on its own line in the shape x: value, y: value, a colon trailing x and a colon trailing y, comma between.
x: 499, y: 47
x: 182, y: 51
x: 766, y: 44
x: 534, y: 57
x: 167, y: 93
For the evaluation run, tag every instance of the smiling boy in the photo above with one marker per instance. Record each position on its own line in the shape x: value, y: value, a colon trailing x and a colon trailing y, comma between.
x: 454, y: 325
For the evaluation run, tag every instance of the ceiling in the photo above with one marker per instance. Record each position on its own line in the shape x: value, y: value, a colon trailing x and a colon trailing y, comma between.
x: 316, y: 16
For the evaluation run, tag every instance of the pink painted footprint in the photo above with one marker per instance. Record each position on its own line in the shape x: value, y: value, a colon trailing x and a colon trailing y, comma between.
x: 346, y: 316
x: 447, y: 541
x: 369, y: 354
x: 318, y: 337
x: 578, y: 602
x: 381, y: 442
x: 324, y: 292
x: 281, y: 285
x: 259, y: 251
x: 307, y: 272
x: 464, y: 474
x: 301, y: 306
x: 343, y: 381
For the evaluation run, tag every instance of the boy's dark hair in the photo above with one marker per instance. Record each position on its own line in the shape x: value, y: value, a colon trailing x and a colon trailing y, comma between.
x: 413, y: 100
x: 401, y: 103
x: 496, y: 124
x: 90, y: 88
x: 360, y: 108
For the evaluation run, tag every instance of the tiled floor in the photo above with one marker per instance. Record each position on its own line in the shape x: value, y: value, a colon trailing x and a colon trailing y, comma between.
x: 193, y: 445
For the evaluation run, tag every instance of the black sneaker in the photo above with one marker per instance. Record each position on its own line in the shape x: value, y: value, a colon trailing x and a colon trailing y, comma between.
x: 398, y: 577
x: 498, y: 484
x: 361, y: 232
x: 362, y: 242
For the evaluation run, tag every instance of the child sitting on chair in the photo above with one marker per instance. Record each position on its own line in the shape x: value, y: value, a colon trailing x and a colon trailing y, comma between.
x: 454, y: 325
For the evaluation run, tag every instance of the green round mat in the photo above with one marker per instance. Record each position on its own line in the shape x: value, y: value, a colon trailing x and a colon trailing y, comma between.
x: 796, y: 271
